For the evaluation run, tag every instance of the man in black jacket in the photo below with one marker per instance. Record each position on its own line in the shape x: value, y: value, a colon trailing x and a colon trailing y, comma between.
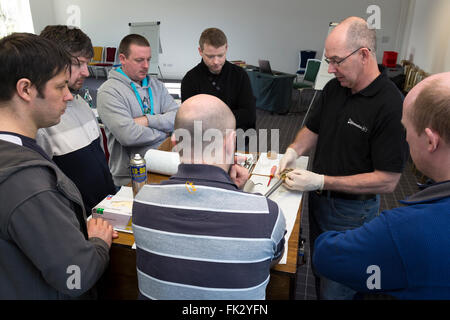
x: 216, y: 76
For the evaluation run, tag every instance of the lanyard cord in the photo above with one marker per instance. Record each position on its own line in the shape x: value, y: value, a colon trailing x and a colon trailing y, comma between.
x: 138, y: 97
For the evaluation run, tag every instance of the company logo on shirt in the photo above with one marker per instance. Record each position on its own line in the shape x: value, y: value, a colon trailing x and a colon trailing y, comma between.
x: 190, y: 187
x: 360, y: 127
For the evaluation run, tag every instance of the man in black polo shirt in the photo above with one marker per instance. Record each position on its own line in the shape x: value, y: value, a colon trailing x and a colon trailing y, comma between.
x: 216, y: 76
x: 360, y: 144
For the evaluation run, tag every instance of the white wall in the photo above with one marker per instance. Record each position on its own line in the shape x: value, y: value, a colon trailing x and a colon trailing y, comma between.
x: 275, y: 30
x: 428, y: 33
x: 43, y: 14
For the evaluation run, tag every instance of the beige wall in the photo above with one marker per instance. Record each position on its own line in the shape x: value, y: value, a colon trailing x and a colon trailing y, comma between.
x: 256, y: 29
x: 428, y: 42
x: 43, y: 14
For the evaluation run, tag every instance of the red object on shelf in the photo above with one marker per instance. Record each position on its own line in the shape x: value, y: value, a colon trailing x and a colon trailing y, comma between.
x: 390, y: 59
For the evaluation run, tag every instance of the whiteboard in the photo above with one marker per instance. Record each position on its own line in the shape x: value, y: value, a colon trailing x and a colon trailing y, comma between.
x: 149, y: 30
x: 323, y: 76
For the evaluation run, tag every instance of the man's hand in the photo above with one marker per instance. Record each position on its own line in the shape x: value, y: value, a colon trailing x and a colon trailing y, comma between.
x: 239, y: 175
x: 287, y: 161
x: 99, y: 228
x: 142, y: 121
x: 304, y: 180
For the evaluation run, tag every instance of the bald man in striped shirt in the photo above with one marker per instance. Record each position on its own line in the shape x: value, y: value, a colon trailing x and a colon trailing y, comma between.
x: 198, y: 236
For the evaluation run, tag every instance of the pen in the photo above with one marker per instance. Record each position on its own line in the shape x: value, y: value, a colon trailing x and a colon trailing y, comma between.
x: 272, y: 173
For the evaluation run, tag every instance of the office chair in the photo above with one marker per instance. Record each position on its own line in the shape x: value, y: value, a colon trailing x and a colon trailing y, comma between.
x: 97, y: 58
x: 108, y: 60
x: 303, y: 57
x: 410, y: 78
x: 311, y: 70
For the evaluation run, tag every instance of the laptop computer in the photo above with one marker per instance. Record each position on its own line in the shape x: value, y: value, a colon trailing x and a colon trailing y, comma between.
x: 264, y: 67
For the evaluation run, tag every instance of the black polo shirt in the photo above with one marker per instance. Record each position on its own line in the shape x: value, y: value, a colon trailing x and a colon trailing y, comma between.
x: 359, y: 132
x: 231, y: 85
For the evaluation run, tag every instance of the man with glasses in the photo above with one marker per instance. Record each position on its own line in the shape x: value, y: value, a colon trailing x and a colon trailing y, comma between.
x: 75, y: 144
x: 47, y: 249
x: 360, y: 146
x: 404, y: 252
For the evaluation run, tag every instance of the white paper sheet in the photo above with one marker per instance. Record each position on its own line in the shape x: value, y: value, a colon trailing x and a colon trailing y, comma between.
x: 287, y: 200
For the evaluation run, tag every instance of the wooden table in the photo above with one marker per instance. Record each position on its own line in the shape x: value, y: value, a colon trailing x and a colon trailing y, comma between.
x: 120, y: 279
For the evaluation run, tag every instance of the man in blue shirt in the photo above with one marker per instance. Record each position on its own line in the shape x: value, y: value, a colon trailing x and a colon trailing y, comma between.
x: 405, y: 252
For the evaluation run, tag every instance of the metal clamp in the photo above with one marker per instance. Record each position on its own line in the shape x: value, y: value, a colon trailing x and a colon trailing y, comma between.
x: 279, y: 182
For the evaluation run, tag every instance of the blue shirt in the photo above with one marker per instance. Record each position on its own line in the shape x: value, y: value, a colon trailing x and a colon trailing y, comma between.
x: 409, y: 245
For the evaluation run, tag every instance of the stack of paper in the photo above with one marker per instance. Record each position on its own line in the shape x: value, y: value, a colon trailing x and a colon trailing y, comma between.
x: 287, y: 200
x: 116, y: 209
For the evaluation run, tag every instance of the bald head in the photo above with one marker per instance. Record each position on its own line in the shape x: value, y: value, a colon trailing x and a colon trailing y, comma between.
x: 211, y: 111
x: 428, y: 105
x: 205, y: 131
x: 355, y: 33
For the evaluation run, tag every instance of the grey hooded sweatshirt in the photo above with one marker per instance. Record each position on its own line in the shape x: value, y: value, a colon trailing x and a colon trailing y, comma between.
x: 45, y: 252
x: 117, y: 106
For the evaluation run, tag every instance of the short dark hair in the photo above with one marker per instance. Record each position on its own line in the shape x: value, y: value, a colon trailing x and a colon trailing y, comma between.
x: 137, y: 39
x: 214, y: 37
x: 25, y: 55
x: 72, y: 39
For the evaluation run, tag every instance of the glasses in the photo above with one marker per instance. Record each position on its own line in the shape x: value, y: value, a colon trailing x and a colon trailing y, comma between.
x: 338, y: 62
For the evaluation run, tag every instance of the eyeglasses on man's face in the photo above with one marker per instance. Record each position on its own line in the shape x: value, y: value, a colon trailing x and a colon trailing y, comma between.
x: 337, y: 62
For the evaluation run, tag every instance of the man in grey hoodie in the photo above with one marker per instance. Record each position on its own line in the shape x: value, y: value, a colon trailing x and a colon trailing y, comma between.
x: 137, y: 110
x: 47, y: 250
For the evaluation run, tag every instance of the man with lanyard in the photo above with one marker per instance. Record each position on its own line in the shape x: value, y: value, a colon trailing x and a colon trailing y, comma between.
x: 138, y: 112
x: 360, y: 145
x: 76, y: 144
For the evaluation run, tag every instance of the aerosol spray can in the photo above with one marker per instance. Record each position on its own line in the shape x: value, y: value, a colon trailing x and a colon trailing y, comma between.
x: 138, y: 173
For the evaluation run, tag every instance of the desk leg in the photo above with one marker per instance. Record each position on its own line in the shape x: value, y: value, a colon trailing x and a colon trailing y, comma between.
x: 119, y: 281
x: 281, y: 286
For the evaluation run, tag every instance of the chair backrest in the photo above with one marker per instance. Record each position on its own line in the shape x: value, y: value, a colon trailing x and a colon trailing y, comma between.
x: 304, y: 56
x: 98, y: 54
x: 312, y: 68
x: 407, y: 65
x: 420, y: 75
x: 410, y: 78
x: 110, y: 55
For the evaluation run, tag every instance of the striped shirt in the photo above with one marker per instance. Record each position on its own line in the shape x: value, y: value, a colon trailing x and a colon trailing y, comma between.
x: 208, y: 240
x: 75, y: 145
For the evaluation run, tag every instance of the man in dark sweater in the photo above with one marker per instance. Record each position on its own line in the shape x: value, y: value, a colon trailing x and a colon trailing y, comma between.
x: 47, y: 249
x: 216, y: 76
